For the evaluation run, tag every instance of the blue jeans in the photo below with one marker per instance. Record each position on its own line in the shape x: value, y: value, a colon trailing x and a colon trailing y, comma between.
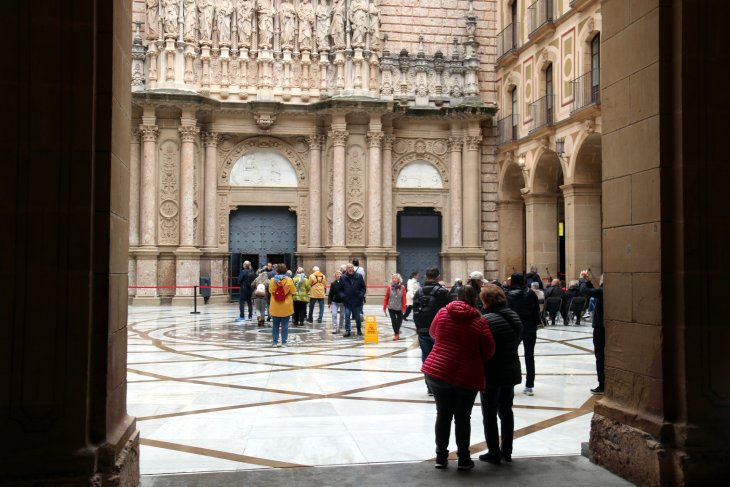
x: 357, y: 311
x: 284, y: 322
x: 245, y: 298
x: 321, y: 308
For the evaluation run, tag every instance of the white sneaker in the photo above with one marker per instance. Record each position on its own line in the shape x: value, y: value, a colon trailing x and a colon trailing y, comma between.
x: 283, y: 345
x: 274, y: 345
x: 528, y: 391
x: 278, y: 345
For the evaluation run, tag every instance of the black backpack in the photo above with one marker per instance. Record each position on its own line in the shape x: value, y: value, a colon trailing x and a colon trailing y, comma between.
x: 426, y: 305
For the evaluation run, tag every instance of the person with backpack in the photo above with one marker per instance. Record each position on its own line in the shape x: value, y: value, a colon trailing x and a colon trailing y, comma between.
x: 524, y: 302
x: 317, y: 283
x: 395, y: 303
x: 245, y: 279
x: 301, y: 297
x: 352, y: 295
x: 281, y: 305
x: 503, y: 373
x: 427, y: 301
x: 259, y: 295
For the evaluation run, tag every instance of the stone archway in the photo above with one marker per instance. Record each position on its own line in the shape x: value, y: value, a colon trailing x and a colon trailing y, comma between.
x: 511, y: 209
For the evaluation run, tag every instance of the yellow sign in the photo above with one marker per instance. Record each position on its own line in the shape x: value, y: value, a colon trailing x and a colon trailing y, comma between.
x: 371, y: 329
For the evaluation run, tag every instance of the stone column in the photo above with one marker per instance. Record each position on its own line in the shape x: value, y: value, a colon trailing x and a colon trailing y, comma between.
x: 134, y: 162
x: 582, y: 229
x: 541, y: 221
x: 339, y: 139
x: 188, y: 134
x: 210, y: 188
x: 374, y: 189
x: 315, y: 191
x: 148, y: 188
x: 387, y: 214
x: 511, y: 235
x: 471, y: 181
x: 455, y: 192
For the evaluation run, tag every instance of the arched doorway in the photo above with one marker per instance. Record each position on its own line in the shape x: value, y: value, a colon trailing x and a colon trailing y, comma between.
x: 511, y: 209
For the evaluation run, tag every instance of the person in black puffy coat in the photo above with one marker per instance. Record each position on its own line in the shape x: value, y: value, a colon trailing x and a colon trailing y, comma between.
x: 524, y: 303
x: 503, y: 371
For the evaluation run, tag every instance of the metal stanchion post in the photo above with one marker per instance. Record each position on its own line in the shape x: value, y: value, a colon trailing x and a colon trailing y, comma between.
x: 195, y: 301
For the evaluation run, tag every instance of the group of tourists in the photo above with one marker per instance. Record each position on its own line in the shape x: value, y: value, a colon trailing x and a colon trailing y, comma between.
x: 469, y: 338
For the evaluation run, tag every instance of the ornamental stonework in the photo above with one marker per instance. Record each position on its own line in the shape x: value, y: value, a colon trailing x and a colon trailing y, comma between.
x: 222, y: 220
x: 355, y: 196
x: 233, y: 152
x: 169, y: 193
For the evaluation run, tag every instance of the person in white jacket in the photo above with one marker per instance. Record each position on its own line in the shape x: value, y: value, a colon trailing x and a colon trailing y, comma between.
x: 411, y: 288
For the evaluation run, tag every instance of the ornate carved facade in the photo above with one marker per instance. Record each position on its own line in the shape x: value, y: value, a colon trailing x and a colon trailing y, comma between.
x: 314, y: 106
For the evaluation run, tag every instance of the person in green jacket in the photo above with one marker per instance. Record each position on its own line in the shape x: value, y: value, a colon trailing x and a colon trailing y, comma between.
x: 301, y: 297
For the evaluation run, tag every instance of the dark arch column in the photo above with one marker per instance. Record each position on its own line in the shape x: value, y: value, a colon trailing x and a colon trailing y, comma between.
x: 65, y: 204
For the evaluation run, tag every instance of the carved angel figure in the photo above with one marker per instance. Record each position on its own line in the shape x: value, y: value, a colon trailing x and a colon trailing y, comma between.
x: 190, y: 16
x: 323, y: 25
x: 170, y: 20
x: 358, y: 21
x: 305, y: 12
x: 265, y: 14
x: 153, y: 10
x: 223, y: 16
x: 205, y: 20
x: 288, y: 22
x: 337, y: 28
x: 244, y: 12
x: 374, y: 13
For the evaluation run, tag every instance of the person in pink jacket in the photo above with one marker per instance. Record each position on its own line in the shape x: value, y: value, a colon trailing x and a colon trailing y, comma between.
x: 454, y: 371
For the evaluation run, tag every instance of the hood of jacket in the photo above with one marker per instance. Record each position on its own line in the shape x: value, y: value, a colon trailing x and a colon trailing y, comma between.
x: 459, y: 310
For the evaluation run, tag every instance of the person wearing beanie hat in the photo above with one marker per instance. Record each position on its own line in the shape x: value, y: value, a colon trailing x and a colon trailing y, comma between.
x: 524, y: 302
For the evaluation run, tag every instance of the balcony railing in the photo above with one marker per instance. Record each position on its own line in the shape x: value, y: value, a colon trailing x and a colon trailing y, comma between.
x: 507, y: 129
x: 542, y: 112
x: 507, y: 40
x: 540, y: 13
x: 586, y: 90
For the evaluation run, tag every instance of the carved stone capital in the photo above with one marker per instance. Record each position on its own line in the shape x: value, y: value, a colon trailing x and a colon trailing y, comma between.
x: 136, y: 132
x: 264, y: 119
x: 188, y: 133
x: 473, y: 142
x: 149, y: 132
x: 375, y: 139
x: 339, y: 137
x: 388, y: 142
x: 454, y: 144
x: 314, y: 141
x: 211, y: 139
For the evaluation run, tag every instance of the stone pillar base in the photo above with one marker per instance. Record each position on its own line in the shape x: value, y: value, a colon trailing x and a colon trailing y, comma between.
x: 187, y: 272
x: 145, y: 301
x: 460, y: 262
x: 315, y: 257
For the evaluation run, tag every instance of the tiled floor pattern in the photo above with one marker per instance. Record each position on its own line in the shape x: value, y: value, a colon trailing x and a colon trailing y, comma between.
x: 211, y: 394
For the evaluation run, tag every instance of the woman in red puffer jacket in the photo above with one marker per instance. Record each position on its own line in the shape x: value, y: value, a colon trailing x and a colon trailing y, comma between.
x: 455, y: 371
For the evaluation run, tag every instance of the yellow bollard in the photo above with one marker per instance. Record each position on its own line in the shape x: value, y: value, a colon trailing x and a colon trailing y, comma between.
x: 371, y: 329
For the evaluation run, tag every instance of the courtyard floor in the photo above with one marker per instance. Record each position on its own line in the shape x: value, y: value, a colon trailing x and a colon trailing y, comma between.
x: 211, y: 394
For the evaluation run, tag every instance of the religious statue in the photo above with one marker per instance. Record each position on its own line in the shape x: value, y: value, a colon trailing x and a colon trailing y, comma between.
x: 323, y: 25
x: 153, y: 10
x: 305, y: 12
x: 265, y: 14
x: 244, y: 12
x: 190, y: 16
x: 358, y: 21
x: 169, y: 23
x: 205, y: 20
x: 337, y: 28
x: 288, y: 23
x: 223, y: 16
x: 374, y: 26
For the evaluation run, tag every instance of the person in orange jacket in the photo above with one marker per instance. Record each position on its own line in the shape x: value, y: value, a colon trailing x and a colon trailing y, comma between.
x: 395, y: 303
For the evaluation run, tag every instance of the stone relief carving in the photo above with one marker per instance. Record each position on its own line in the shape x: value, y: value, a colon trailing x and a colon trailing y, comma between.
x: 244, y: 14
x: 190, y: 16
x: 355, y: 207
x: 265, y: 18
x: 305, y: 12
x: 222, y: 220
x: 288, y: 23
x: 337, y: 27
x: 374, y: 31
x: 302, y: 218
x: 358, y: 20
x: 263, y: 168
x: 205, y: 20
x: 419, y: 175
x: 230, y: 153
x: 323, y: 13
x: 169, y: 23
x: 223, y: 16
x: 169, y: 206
x: 153, y: 10
x: 428, y: 157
